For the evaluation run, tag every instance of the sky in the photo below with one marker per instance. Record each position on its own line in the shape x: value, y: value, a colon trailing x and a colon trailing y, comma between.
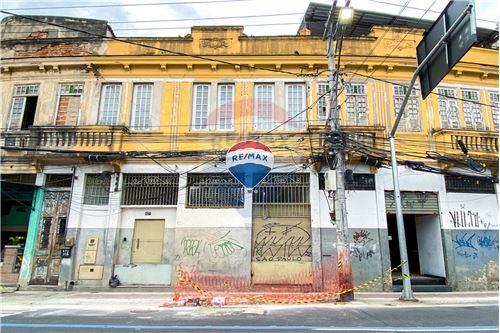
x: 140, y: 10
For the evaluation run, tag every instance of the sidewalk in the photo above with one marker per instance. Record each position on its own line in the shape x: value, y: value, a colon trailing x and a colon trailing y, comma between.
x: 31, y: 300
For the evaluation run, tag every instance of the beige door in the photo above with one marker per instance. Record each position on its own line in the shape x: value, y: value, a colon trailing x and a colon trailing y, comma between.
x: 147, y: 245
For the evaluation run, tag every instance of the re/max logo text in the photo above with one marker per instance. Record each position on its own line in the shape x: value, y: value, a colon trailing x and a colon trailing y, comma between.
x: 250, y: 156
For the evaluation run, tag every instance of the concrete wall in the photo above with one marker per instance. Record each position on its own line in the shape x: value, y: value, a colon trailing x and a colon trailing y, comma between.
x: 194, y: 237
x: 473, y: 228
x: 367, y: 235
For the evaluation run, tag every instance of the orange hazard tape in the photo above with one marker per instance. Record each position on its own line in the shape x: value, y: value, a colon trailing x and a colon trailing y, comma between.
x: 319, y: 297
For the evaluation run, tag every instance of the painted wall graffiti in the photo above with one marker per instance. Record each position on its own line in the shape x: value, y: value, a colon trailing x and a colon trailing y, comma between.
x: 469, y: 244
x: 466, y: 218
x: 363, y: 246
x: 282, y: 242
x: 213, y: 247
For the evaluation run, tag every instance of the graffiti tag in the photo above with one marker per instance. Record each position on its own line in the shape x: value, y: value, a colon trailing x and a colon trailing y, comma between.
x: 487, y: 242
x: 214, y: 247
x: 282, y: 242
x: 464, y: 246
x: 190, y: 247
x: 465, y: 218
x: 223, y: 247
x: 362, y: 247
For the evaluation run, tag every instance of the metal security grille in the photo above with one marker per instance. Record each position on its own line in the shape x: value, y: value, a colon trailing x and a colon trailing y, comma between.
x: 413, y: 202
x: 150, y: 189
x: 410, y: 122
x: 215, y: 190
x: 58, y: 180
x: 468, y: 184
x: 97, y: 189
x: 282, y: 195
x: 361, y: 182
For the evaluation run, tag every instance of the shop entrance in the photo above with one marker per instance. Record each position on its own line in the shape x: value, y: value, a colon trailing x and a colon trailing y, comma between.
x: 423, y: 243
x: 423, y: 235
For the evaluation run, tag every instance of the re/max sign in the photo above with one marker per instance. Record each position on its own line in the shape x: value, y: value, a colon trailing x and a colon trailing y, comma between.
x: 250, y: 156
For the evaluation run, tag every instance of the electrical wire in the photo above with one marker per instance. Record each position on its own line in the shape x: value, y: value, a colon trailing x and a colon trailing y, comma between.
x: 128, y: 5
x: 169, y: 28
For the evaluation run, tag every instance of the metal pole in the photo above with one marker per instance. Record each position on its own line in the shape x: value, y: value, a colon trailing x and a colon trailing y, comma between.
x: 343, y: 253
x: 407, y: 293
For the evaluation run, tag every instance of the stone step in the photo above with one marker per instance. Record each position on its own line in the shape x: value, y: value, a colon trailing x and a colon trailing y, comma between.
x: 421, y: 280
x: 424, y: 288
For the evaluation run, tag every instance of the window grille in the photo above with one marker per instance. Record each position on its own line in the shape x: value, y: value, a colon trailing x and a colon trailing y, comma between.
x: 217, y: 190
x: 448, y: 108
x: 58, y: 180
x: 45, y: 232
x: 264, y: 106
x: 61, y: 231
x: 226, y: 106
x: 323, y: 103
x: 472, y: 111
x: 295, y: 105
x: 468, y: 184
x: 110, y: 104
x: 361, y: 182
x: 96, y: 189
x: 141, y: 107
x: 201, y: 106
x: 494, y: 108
x: 150, y: 189
x: 19, y: 103
x: 356, y: 104
x: 282, y: 195
x: 410, y: 122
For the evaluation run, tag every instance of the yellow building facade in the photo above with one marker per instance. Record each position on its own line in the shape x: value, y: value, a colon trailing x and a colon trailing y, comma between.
x: 126, y: 138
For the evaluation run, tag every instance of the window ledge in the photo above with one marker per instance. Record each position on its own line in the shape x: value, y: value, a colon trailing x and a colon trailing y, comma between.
x: 148, y: 206
x: 211, y: 132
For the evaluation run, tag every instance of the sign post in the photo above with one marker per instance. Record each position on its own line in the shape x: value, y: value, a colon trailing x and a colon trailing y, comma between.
x: 444, y: 44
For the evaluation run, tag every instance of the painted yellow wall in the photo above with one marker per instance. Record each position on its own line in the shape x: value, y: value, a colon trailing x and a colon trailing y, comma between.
x: 381, y: 55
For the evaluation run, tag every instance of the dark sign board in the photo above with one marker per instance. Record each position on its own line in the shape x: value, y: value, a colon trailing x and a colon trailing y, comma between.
x: 455, y: 47
x: 66, y: 252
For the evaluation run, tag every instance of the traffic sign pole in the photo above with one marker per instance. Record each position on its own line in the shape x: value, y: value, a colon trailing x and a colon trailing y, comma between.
x: 407, y: 293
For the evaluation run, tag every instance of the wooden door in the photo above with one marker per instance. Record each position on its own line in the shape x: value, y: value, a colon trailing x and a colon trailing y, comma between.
x: 147, y: 245
x: 50, y: 240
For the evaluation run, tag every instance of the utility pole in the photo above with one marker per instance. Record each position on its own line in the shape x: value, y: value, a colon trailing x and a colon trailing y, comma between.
x: 335, y: 139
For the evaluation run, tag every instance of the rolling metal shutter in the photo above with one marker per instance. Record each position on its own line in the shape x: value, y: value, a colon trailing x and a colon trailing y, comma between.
x: 413, y: 202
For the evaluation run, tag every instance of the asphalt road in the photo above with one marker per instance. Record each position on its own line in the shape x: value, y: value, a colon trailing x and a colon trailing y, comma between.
x: 335, y: 318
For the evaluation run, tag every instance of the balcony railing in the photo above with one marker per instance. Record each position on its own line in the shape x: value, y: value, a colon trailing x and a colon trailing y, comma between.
x: 61, y: 137
x: 477, y: 142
